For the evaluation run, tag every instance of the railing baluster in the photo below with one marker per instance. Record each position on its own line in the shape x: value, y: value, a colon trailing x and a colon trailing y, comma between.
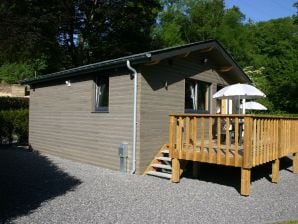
x: 271, y: 138
x: 275, y: 139
x: 202, y: 120
x: 236, y: 140
x: 218, y: 149
x: 266, y: 139
x: 194, y: 133
x: 259, y: 141
x: 255, y: 154
x: 191, y: 132
x: 227, y: 139
x: 262, y: 142
x: 187, y: 136
x: 210, y: 150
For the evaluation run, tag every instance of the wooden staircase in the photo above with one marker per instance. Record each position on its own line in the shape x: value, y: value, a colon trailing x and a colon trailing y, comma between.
x: 161, y: 165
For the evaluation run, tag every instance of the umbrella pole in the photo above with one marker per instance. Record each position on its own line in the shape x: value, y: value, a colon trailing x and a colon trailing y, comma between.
x: 239, y: 103
x: 243, y: 106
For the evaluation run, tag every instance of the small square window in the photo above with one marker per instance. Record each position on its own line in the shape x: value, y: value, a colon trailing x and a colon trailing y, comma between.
x: 197, y: 96
x: 101, y: 98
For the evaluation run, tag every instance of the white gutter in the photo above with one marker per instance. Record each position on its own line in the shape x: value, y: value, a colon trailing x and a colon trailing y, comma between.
x: 135, y: 76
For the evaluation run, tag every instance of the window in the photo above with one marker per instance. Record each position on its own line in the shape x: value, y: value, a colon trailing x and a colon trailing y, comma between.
x: 101, y: 98
x: 197, y: 96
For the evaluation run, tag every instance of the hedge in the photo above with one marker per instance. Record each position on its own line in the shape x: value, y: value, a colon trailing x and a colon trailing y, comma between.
x: 9, y: 103
x: 14, y: 126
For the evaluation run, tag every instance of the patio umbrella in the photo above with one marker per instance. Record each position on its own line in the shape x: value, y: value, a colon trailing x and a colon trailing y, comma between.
x: 239, y: 91
x: 253, y: 106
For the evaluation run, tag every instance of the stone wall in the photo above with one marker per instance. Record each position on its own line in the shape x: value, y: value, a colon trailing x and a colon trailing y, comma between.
x: 13, y: 90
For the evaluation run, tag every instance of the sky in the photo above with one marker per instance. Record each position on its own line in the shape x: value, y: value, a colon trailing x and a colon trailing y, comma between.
x: 263, y: 10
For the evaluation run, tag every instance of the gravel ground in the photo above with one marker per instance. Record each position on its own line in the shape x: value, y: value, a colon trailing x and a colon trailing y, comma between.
x: 39, y: 188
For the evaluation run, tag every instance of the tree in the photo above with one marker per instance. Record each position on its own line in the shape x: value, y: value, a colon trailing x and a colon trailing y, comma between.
x: 185, y: 21
x: 296, y: 16
x: 28, y: 31
x: 94, y: 30
x: 275, y: 48
x: 13, y: 72
x: 69, y: 33
x: 270, y: 45
x: 234, y: 35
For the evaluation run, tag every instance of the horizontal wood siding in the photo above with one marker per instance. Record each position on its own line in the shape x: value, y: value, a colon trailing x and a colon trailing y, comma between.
x: 157, y: 102
x: 62, y: 122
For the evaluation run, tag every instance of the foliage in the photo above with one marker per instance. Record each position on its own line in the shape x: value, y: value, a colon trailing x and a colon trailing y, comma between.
x: 7, y: 127
x: 21, y: 125
x: 295, y: 17
x: 14, y: 119
x: 14, y: 123
x: 38, y: 37
x: 71, y: 33
x: 8, y: 103
x: 288, y: 222
x: 275, y: 49
x: 271, y: 45
x: 28, y: 31
x: 13, y: 72
x: 188, y: 21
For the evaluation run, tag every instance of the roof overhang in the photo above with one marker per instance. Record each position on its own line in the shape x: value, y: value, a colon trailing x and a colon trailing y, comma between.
x: 211, y: 47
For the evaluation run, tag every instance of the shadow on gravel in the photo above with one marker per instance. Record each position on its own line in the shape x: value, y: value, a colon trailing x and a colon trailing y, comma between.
x: 230, y: 176
x: 28, y: 179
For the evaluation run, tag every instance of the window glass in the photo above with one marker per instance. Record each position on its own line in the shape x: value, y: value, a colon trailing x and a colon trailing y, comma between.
x: 101, y: 101
x: 197, y: 96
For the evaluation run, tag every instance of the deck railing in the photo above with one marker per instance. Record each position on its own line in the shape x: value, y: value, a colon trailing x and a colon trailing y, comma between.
x: 233, y: 140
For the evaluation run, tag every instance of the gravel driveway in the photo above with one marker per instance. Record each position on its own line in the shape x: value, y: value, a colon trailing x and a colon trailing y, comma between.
x: 37, y: 188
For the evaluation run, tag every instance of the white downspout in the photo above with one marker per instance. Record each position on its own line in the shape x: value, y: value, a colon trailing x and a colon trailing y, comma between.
x: 135, y: 76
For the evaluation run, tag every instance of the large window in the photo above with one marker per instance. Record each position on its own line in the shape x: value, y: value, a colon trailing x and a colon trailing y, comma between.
x: 101, y: 98
x: 197, y: 96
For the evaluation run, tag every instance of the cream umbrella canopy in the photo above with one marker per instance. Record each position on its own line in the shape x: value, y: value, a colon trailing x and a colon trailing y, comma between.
x: 253, y: 106
x: 239, y: 91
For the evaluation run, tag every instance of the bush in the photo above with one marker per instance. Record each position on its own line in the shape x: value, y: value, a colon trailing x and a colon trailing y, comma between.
x: 22, y: 125
x: 8, y: 103
x: 14, y: 124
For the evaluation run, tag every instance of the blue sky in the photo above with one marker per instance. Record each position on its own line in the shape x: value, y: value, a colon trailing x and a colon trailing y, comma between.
x: 262, y: 10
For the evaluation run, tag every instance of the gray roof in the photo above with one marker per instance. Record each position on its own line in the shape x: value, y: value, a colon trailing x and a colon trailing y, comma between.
x: 141, y: 58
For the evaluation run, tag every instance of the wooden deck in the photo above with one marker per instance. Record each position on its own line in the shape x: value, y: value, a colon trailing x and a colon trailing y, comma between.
x: 242, y: 141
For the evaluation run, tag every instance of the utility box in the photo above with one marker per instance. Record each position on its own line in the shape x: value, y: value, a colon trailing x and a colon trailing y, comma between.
x: 123, y: 154
x: 123, y: 150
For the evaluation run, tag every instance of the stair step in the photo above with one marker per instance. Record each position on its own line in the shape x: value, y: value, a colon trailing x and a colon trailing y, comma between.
x: 165, y: 151
x: 162, y: 166
x: 159, y: 174
x: 164, y: 158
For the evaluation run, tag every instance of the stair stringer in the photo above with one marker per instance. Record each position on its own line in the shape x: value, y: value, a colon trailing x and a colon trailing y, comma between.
x: 154, y: 161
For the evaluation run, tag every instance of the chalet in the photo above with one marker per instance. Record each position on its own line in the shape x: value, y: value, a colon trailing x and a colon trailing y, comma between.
x: 87, y: 113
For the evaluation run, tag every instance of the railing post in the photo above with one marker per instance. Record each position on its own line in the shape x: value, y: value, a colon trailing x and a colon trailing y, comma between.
x: 275, y: 171
x: 179, y: 135
x: 172, y: 124
x: 295, y: 162
x: 175, y: 170
x: 187, y: 131
x: 194, y: 133
x: 247, y: 157
x: 245, y: 181
x: 247, y: 154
